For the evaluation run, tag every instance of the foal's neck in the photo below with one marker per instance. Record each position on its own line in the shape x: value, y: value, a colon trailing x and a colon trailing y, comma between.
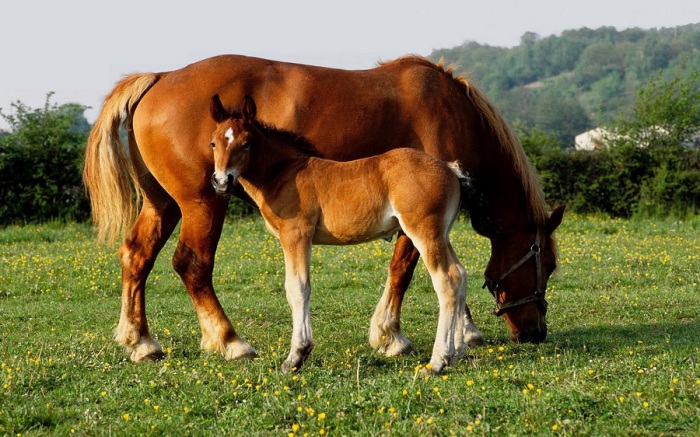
x: 273, y: 160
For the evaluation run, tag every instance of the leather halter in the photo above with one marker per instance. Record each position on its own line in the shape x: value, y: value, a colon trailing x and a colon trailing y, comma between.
x: 537, y: 296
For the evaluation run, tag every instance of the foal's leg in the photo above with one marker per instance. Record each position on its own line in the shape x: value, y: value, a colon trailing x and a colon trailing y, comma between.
x: 467, y: 332
x: 385, y: 328
x: 194, y: 262
x: 137, y: 254
x: 297, y: 257
x: 449, y: 280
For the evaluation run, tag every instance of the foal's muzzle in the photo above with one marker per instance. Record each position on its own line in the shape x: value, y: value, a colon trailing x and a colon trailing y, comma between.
x: 222, y: 185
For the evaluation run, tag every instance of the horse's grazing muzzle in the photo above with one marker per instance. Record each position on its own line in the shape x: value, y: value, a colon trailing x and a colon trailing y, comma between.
x: 533, y: 335
x: 222, y: 185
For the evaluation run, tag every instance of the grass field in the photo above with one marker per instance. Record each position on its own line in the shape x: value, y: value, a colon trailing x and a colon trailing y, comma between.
x: 621, y: 358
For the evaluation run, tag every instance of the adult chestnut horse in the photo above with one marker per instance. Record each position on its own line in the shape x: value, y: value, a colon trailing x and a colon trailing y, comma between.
x: 409, y: 102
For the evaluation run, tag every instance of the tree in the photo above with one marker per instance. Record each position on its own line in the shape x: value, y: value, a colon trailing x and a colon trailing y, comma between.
x: 597, y: 61
x: 664, y: 121
x: 560, y: 115
x: 666, y: 112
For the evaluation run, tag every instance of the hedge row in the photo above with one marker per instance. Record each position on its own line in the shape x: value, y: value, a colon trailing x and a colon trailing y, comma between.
x: 41, y: 181
x: 624, y: 181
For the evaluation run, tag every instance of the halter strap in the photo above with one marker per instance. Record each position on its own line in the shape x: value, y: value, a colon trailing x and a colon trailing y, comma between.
x: 537, y: 296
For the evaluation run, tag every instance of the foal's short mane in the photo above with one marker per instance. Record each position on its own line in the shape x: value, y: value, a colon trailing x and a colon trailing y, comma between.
x: 300, y: 143
x: 503, y: 135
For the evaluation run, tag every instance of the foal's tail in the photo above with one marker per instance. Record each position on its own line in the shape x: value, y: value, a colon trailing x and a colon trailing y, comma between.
x: 465, y: 182
x: 109, y: 175
x: 473, y: 200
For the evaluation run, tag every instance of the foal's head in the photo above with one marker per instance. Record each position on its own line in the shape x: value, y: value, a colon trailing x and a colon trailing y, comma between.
x: 231, y: 142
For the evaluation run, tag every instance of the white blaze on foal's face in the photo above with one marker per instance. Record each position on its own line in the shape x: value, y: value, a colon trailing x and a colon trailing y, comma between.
x: 229, y: 136
x: 230, y: 152
x: 225, y: 171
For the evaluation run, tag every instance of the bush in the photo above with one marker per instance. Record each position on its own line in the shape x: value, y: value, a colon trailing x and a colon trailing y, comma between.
x: 623, y: 181
x: 41, y: 162
x: 674, y: 187
x: 650, y: 166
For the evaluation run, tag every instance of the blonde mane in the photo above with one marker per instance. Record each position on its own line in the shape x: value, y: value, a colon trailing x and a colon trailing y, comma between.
x: 503, y: 135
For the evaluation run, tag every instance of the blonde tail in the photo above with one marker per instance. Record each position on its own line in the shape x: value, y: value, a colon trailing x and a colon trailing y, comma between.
x: 109, y: 175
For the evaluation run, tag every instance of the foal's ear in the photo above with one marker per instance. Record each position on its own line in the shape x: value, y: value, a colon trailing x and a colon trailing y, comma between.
x: 217, y: 110
x: 249, y: 109
x: 555, y: 219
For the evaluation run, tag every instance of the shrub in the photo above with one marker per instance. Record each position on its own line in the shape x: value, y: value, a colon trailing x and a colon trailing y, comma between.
x: 41, y: 164
x: 650, y: 166
x: 623, y: 181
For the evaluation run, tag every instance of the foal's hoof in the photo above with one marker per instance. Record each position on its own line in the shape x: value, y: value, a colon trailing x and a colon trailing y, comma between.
x: 293, y: 365
x: 288, y: 368
x: 476, y: 341
x: 431, y: 369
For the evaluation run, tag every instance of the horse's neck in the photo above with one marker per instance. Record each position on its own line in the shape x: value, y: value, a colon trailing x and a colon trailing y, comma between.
x: 498, y: 202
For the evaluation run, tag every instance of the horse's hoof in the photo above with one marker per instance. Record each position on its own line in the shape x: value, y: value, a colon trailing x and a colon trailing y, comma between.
x: 399, y: 349
x: 239, y: 350
x: 146, y: 350
x: 399, y: 346
x: 152, y: 357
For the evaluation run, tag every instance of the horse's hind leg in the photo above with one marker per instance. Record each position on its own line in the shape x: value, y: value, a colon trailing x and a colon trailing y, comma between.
x: 137, y: 254
x: 385, y: 328
x: 194, y: 262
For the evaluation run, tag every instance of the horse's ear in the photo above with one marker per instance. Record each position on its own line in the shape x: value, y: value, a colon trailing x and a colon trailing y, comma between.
x: 217, y: 110
x: 555, y: 219
x: 249, y: 109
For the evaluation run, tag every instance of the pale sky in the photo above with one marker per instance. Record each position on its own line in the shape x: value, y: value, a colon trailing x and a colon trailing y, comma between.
x: 80, y: 48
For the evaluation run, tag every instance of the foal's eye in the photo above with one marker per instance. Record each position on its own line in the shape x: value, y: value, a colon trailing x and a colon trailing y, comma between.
x: 245, y: 147
x: 212, y: 145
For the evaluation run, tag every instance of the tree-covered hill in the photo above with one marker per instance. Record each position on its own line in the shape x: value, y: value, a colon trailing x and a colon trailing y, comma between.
x: 573, y: 82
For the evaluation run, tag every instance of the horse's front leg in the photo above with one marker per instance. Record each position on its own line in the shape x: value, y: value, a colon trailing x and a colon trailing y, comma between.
x: 137, y: 255
x: 194, y: 262
x: 297, y: 257
x: 385, y: 328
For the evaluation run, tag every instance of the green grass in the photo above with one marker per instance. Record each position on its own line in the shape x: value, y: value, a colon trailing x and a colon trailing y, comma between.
x: 621, y: 357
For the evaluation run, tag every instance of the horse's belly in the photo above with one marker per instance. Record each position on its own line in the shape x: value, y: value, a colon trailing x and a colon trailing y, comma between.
x: 355, y: 228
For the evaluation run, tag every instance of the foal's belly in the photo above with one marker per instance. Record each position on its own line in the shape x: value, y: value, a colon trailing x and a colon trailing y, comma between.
x: 355, y: 228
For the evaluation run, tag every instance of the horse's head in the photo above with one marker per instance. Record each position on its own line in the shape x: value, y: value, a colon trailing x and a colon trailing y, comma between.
x: 517, y: 276
x: 231, y: 142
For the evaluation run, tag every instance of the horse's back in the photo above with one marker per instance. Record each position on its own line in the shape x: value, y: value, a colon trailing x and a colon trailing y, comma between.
x: 403, y: 103
x: 347, y: 114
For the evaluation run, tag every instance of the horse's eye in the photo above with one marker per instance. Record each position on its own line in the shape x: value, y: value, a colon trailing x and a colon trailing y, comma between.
x: 245, y: 147
x: 212, y: 145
